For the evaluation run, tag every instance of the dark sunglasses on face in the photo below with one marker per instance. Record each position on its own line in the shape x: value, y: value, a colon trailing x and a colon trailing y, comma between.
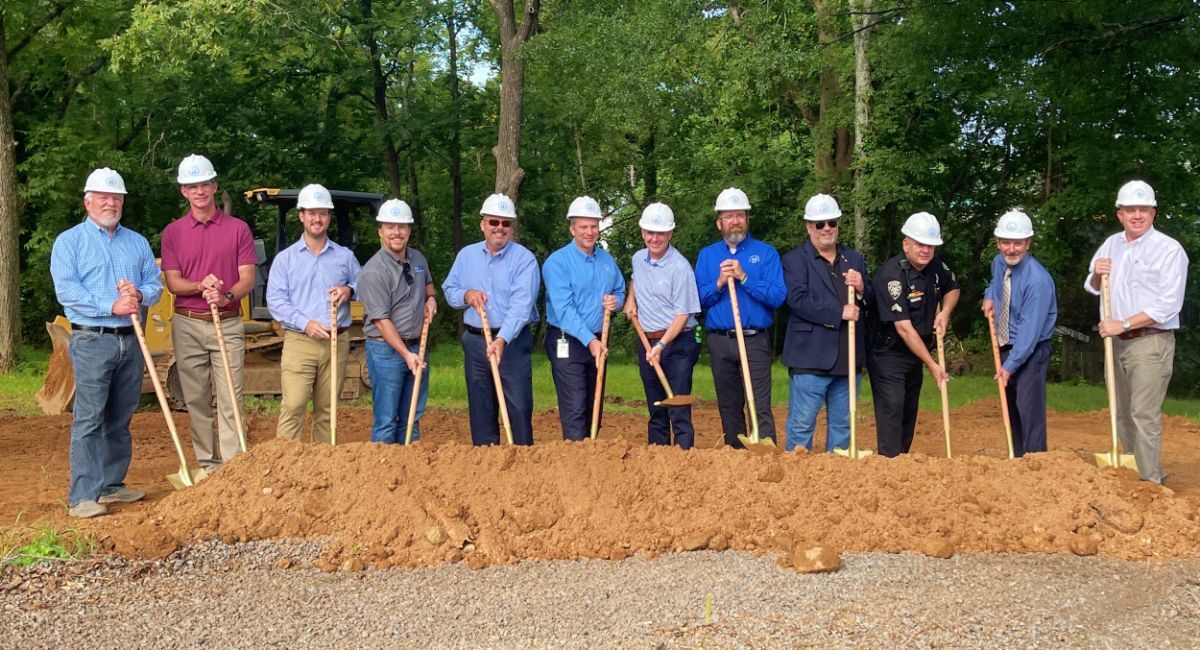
x: 501, y: 223
x: 822, y: 225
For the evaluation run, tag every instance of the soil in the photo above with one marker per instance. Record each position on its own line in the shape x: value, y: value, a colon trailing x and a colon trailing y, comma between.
x: 444, y: 501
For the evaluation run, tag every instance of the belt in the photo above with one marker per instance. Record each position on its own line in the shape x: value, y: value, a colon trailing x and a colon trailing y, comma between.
x: 732, y: 333
x: 118, y: 331
x: 563, y: 333
x: 479, y: 332
x: 406, y: 341
x: 654, y: 336
x: 1140, y: 332
x: 206, y: 315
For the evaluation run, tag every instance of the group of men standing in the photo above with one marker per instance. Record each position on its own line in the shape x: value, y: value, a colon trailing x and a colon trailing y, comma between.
x: 104, y: 274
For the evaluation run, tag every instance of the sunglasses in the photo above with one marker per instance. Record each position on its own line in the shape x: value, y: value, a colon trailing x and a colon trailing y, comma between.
x: 822, y: 225
x: 407, y: 268
x: 499, y: 223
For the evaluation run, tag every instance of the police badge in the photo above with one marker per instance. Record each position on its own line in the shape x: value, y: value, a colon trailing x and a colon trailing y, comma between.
x: 894, y: 289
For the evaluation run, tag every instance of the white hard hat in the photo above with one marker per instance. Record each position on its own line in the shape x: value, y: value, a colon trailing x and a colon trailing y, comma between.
x: 657, y: 217
x: 314, y: 197
x: 498, y: 205
x: 732, y: 199
x: 1014, y: 224
x: 923, y: 227
x: 195, y: 169
x: 821, y: 207
x: 105, y: 180
x: 1136, y: 193
x: 394, y: 211
x: 584, y: 206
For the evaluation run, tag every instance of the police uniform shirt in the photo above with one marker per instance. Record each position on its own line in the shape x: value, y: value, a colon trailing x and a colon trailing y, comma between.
x: 395, y: 290
x: 904, y: 293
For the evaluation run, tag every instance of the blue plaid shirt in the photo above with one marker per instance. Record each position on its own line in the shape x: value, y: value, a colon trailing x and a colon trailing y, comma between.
x: 86, y: 263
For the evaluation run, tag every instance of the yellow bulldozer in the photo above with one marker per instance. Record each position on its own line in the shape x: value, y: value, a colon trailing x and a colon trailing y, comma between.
x: 264, y: 336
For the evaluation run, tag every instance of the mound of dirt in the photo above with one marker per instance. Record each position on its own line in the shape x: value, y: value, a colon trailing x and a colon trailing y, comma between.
x: 424, y: 505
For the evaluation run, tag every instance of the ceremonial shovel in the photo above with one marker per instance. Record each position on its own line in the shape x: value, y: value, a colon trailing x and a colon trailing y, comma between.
x: 1111, y: 458
x: 600, y: 364
x: 487, y: 343
x: 1000, y: 385
x: 416, y: 392
x: 941, y: 350
x: 852, y: 365
x: 184, y: 477
x: 672, y: 398
x: 333, y: 387
x: 751, y: 440
x: 237, y: 407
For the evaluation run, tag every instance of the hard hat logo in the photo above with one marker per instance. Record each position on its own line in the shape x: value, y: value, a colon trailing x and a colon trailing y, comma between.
x: 194, y: 171
x: 110, y: 181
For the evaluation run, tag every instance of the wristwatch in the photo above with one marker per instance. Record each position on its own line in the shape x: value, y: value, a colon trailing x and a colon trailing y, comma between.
x: 1125, y: 324
x: 229, y: 296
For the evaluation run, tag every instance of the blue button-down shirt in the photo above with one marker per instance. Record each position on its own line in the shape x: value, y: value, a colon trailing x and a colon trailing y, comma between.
x: 1033, y: 306
x: 298, y: 287
x: 576, y: 284
x: 509, y: 278
x: 758, y: 297
x: 665, y: 289
x: 86, y: 263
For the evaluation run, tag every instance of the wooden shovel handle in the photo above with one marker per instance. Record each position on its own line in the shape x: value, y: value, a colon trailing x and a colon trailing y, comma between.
x: 741, y: 341
x: 851, y: 376
x: 601, y: 362
x: 1000, y: 385
x: 233, y: 400
x: 1110, y: 378
x: 184, y: 475
x: 487, y: 343
x: 416, y: 391
x: 662, y: 376
x: 333, y: 361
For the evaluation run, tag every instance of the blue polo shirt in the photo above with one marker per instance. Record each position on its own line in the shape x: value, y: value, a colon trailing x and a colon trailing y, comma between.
x: 758, y: 297
x: 665, y: 289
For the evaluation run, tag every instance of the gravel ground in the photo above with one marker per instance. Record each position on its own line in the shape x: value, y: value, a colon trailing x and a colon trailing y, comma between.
x: 235, y: 596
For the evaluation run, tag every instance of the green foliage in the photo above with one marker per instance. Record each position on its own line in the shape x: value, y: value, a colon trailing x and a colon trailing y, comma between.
x: 22, y: 547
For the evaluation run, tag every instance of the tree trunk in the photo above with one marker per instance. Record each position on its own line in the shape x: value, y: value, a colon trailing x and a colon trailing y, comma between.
x: 831, y: 141
x: 10, y: 220
x: 863, y: 25
x: 507, y: 151
x: 379, y: 98
x: 456, y: 216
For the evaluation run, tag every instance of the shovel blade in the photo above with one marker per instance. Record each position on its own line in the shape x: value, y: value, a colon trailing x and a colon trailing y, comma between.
x: 1105, y: 459
x: 187, y: 477
x: 678, y: 400
x: 760, y: 446
x: 862, y: 453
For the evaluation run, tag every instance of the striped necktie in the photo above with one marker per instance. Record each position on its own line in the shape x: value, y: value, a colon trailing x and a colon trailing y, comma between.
x: 1005, y: 299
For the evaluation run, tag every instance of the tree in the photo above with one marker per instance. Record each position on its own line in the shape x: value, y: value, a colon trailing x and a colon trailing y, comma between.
x: 513, y: 36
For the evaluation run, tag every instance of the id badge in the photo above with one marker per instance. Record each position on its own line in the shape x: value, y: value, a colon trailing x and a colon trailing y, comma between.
x: 564, y: 348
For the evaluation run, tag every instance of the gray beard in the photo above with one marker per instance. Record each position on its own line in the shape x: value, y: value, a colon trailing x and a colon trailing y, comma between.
x: 733, y: 239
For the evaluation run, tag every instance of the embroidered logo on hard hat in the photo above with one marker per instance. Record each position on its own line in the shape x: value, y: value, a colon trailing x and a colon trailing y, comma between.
x: 894, y: 289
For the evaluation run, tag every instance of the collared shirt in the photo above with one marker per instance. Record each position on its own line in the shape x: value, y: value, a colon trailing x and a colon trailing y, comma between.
x: 298, y: 287
x: 665, y: 289
x: 509, y: 278
x: 86, y: 264
x: 1149, y: 275
x: 758, y: 297
x: 904, y: 293
x: 387, y: 292
x: 1033, y: 306
x: 195, y: 249
x: 576, y: 284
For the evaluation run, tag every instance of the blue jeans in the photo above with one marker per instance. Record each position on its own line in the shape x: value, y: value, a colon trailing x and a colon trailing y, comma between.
x: 391, y: 392
x: 806, y: 395
x: 108, y: 382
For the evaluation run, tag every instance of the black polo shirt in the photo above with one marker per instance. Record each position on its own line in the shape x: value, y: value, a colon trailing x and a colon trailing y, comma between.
x: 904, y: 293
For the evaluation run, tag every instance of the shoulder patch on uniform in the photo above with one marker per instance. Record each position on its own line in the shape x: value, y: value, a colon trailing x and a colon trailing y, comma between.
x: 894, y: 288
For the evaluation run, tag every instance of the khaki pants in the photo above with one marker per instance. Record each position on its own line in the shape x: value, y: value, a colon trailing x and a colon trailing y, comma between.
x: 304, y: 373
x: 198, y: 361
x: 1143, y: 370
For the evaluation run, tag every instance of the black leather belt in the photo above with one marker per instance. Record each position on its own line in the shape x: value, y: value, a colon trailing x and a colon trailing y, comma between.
x: 655, y: 336
x: 119, y: 331
x: 556, y: 332
x: 733, y: 333
x: 406, y: 341
x: 479, y: 331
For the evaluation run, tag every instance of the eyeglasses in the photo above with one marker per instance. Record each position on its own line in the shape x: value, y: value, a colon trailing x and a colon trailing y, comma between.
x: 499, y: 223
x: 408, y: 277
x: 822, y: 225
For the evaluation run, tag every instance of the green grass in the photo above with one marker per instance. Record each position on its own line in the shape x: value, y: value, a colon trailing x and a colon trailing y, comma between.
x: 43, y: 543
x: 447, y: 387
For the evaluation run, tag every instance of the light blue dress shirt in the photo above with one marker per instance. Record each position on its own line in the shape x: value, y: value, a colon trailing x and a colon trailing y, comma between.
x: 1033, y: 306
x: 510, y: 280
x: 298, y: 287
x: 86, y: 263
x: 576, y: 284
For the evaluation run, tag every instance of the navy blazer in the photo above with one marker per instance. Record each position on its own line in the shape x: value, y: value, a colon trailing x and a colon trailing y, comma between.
x: 816, y: 318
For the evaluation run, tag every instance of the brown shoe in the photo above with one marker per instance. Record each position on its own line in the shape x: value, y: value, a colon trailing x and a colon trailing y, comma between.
x: 88, y: 509
x: 122, y: 495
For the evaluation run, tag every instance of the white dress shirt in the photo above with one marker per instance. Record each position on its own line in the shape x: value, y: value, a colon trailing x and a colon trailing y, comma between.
x: 1148, y: 275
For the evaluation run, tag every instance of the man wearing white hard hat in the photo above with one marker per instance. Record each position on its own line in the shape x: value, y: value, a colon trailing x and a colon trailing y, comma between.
x: 397, y: 294
x: 663, y: 297
x: 818, y: 275
x: 908, y: 290
x: 306, y: 278
x: 501, y: 277
x: 103, y: 273
x: 754, y: 266
x: 1021, y: 298
x: 582, y: 282
x: 208, y: 259
x: 1148, y: 274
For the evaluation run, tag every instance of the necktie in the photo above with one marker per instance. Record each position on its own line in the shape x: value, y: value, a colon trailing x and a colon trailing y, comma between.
x: 1002, y: 317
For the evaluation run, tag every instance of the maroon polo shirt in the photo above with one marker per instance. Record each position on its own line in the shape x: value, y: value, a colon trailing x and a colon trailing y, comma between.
x: 218, y: 246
